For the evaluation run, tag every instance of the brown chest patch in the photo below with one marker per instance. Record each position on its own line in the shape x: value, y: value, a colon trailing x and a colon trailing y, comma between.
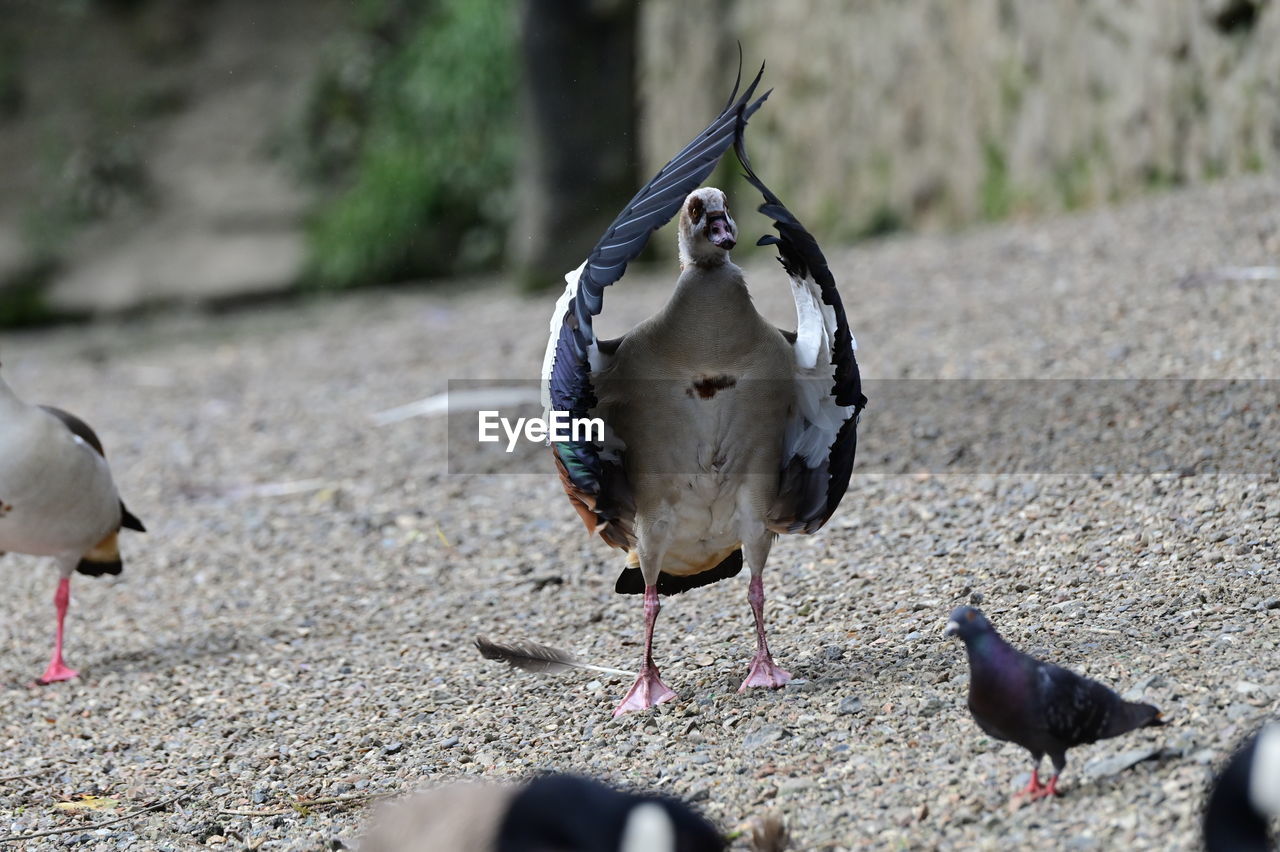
x: 706, y: 387
x: 5, y: 508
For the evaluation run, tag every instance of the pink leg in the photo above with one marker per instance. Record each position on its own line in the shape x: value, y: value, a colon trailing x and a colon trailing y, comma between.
x: 1048, y: 790
x: 648, y: 690
x: 763, y: 672
x: 1034, y: 787
x: 57, y: 669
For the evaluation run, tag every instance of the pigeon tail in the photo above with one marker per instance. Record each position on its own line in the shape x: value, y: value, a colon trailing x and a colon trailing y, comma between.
x: 1130, y: 716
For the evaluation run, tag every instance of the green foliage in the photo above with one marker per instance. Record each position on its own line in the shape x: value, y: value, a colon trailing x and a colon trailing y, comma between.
x: 22, y: 300
x: 418, y: 130
x: 1072, y: 180
x: 12, y: 91
x: 884, y: 220
x: 997, y: 194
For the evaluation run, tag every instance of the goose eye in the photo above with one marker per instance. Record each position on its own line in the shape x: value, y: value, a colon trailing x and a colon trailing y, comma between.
x: 695, y: 210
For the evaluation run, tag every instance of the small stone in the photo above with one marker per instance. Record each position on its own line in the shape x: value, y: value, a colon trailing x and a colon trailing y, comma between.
x: 1118, y: 763
x: 762, y: 736
x: 393, y: 748
x: 849, y: 706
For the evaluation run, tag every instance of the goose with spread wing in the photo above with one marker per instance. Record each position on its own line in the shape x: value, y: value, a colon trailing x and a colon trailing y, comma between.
x: 721, y: 430
x: 57, y: 498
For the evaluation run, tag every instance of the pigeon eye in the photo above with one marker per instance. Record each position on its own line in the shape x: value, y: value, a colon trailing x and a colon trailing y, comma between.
x: 970, y: 615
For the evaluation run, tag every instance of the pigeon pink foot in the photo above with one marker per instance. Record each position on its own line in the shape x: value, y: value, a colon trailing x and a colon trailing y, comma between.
x: 1048, y: 791
x: 1033, y: 788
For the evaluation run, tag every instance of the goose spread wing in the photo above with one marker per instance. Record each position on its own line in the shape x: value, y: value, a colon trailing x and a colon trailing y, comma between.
x: 592, y: 471
x: 822, y: 434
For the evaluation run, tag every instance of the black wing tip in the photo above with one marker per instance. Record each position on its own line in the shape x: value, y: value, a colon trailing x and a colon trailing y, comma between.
x: 130, y: 521
x: 99, y: 567
x: 77, y: 427
x: 631, y: 581
x: 737, y: 81
x: 751, y: 90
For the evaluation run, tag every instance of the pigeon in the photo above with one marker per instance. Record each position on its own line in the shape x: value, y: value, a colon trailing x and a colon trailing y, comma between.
x: 566, y: 813
x: 720, y: 431
x: 57, y: 498
x: 1245, y: 798
x: 1044, y: 708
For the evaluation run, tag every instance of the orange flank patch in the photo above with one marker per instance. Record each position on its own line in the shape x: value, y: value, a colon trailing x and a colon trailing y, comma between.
x: 107, y: 550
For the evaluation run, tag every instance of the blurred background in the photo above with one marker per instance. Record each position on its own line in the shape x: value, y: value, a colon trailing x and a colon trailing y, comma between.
x: 160, y: 152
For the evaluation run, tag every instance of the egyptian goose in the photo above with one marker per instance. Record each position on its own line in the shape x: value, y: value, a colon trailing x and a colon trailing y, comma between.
x: 57, y: 499
x: 562, y: 812
x: 1245, y: 798
x: 721, y: 430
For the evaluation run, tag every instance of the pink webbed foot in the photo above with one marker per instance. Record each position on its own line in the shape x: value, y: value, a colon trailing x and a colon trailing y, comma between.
x: 648, y: 691
x: 56, y: 671
x: 764, y: 673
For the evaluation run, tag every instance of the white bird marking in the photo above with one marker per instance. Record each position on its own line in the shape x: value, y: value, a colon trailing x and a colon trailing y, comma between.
x: 649, y: 829
x: 1264, y: 775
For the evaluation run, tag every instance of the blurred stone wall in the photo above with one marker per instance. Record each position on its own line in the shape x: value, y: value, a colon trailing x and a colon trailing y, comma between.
x: 930, y: 113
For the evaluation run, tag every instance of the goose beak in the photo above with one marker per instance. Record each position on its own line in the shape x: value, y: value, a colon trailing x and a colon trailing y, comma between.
x: 952, y: 628
x: 718, y: 232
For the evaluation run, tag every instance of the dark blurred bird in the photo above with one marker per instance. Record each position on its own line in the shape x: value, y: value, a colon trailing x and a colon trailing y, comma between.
x: 57, y: 498
x: 1044, y: 708
x: 1245, y: 798
x: 564, y: 813
x: 721, y: 430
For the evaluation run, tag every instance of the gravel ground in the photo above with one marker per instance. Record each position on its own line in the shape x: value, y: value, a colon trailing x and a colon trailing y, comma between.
x: 268, y: 643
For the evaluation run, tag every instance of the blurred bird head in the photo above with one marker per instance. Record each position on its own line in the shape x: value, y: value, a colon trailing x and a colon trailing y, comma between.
x: 707, y: 231
x: 968, y: 623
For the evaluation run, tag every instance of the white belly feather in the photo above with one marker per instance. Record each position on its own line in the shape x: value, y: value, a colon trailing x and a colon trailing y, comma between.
x: 56, y: 493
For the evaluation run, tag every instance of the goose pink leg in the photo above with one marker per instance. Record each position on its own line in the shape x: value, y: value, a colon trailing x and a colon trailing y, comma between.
x: 57, y: 669
x: 648, y: 690
x: 763, y: 672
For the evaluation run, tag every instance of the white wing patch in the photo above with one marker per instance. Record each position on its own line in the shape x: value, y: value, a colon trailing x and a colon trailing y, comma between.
x: 811, y: 433
x: 557, y: 322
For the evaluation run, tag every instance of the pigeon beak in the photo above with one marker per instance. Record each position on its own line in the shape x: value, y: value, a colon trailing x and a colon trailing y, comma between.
x: 952, y: 629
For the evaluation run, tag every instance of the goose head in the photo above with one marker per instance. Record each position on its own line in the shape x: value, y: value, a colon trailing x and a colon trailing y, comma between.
x: 707, y: 231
